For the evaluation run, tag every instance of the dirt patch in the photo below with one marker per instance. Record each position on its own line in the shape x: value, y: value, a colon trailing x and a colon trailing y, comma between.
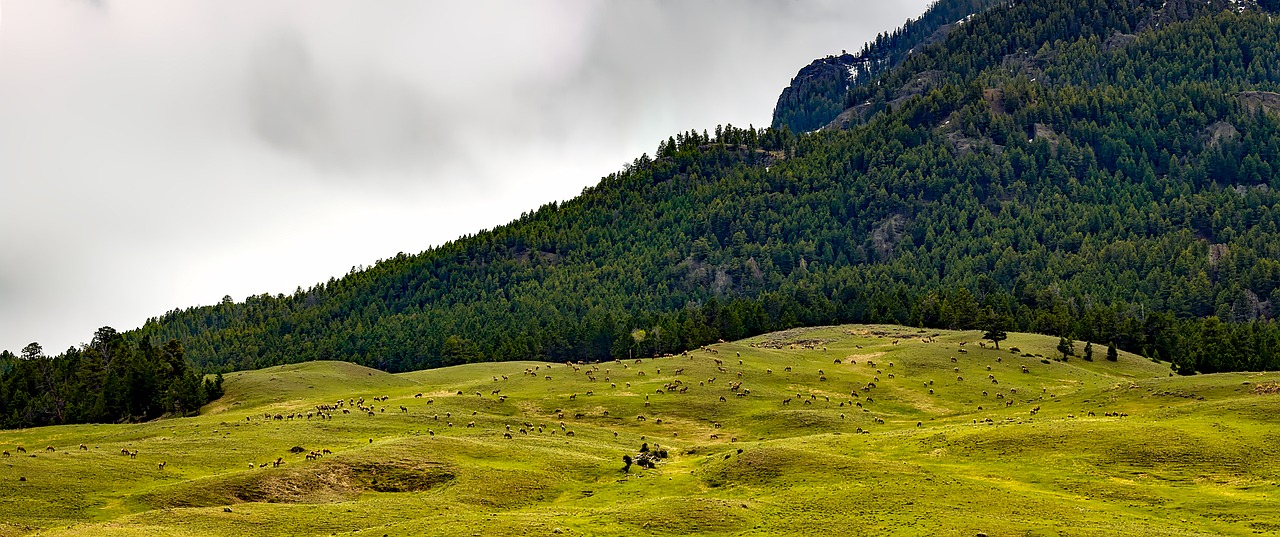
x: 792, y: 343
x: 881, y: 334
x: 323, y: 482
x: 995, y: 99
x: 1271, y: 388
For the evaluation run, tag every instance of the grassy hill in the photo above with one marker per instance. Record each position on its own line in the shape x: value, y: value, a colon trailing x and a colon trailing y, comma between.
x: 946, y: 442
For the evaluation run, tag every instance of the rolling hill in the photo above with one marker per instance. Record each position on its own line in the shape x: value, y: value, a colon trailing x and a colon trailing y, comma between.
x: 763, y: 436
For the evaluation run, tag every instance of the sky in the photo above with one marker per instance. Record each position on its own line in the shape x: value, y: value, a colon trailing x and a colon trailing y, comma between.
x: 159, y: 155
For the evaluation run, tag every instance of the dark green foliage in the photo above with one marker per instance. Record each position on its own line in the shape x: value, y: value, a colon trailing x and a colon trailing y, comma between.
x: 817, y: 93
x: 1112, y: 354
x: 995, y: 326
x: 1072, y: 168
x: 1066, y: 348
x: 1088, y: 351
x: 213, y: 388
x: 109, y: 380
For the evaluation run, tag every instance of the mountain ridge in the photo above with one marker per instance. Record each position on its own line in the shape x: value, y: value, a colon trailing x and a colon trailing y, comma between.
x: 691, y: 272
x: 817, y: 94
x: 1045, y: 177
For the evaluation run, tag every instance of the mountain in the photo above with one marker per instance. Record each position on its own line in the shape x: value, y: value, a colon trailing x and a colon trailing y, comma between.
x: 1101, y: 170
x: 818, y: 92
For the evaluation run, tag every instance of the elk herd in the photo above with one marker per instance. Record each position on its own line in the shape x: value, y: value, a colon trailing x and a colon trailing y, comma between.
x: 681, y: 379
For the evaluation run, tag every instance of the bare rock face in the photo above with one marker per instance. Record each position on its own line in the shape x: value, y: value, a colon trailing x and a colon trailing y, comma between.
x: 921, y: 84
x: 1175, y: 11
x: 816, y: 93
x: 846, y: 118
x: 1118, y: 41
x: 1220, y: 133
x: 885, y: 237
x: 815, y: 99
x: 1046, y: 133
x: 1260, y: 101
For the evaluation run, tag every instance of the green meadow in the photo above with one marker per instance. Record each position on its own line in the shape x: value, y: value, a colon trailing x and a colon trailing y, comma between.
x: 849, y: 430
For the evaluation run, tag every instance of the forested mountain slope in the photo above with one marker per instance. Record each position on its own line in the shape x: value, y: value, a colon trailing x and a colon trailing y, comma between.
x: 817, y: 93
x: 1102, y: 170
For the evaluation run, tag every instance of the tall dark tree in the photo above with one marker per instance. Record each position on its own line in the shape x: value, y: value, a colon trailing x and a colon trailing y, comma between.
x: 1066, y: 348
x: 995, y: 326
x: 33, y: 351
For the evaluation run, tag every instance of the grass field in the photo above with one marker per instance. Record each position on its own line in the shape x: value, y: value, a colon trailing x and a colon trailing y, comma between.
x: 940, y: 439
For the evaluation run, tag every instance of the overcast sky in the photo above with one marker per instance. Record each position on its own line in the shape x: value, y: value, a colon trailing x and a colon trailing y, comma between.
x: 162, y: 154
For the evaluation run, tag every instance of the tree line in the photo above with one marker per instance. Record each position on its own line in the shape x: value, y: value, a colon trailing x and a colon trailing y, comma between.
x: 109, y: 380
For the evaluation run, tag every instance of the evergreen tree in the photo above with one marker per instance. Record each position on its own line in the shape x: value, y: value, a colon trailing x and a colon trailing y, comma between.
x: 110, y: 379
x: 1066, y: 348
x: 995, y: 327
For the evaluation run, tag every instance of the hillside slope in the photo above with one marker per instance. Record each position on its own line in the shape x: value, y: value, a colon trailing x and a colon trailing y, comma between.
x: 763, y: 436
x: 1102, y: 170
x: 818, y: 92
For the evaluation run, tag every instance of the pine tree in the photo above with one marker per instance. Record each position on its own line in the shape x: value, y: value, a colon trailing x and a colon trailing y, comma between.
x: 994, y: 327
x: 1066, y: 348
